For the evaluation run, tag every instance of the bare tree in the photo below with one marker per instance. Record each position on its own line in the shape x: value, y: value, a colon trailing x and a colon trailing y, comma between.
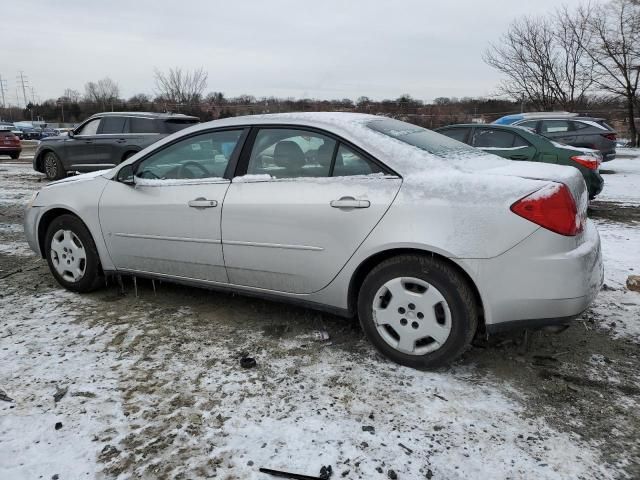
x: 70, y: 96
x: 613, y: 44
x: 103, y: 92
x: 181, y: 87
x: 543, y: 63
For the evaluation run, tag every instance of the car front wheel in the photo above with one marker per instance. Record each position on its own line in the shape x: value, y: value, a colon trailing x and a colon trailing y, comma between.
x: 53, y: 168
x: 72, y: 255
x: 417, y: 311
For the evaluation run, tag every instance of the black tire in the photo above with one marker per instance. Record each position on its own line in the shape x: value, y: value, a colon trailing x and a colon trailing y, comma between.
x: 453, y: 287
x: 93, y: 276
x: 15, y: 156
x: 52, y: 166
x: 128, y: 155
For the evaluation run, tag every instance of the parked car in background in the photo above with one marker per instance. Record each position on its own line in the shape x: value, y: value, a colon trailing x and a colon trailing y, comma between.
x: 28, y: 133
x: 426, y: 239
x: 48, y: 132
x: 520, y: 143
x: 104, y: 140
x: 570, y: 129
x: 9, y: 144
x: 61, y: 131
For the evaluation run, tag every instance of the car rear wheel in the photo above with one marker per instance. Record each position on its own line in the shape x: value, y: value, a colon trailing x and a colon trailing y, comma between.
x: 15, y: 156
x: 417, y: 311
x: 72, y: 255
x: 53, y: 168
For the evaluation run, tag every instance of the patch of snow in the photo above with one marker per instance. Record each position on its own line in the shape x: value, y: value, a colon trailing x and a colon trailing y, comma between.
x: 167, y: 182
x: 16, y: 248
x: 503, y: 148
x: 260, y: 177
x: 622, y: 184
x: 590, y: 151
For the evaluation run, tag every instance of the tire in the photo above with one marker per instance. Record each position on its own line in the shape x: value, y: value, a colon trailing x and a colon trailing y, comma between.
x: 431, y: 298
x: 128, y: 155
x: 15, y: 156
x: 70, y: 233
x: 52, y: 166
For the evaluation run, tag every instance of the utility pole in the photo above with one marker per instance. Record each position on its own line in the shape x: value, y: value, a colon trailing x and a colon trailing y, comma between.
x: 3, y: 87
x: 23, y: 81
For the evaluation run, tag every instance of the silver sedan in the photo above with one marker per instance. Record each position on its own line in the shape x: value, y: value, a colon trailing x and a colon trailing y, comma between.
x: 428, y: 241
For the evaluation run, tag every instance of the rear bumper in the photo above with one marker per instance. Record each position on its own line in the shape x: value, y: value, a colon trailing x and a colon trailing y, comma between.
x: 10, y: 149
x: 547, y: 279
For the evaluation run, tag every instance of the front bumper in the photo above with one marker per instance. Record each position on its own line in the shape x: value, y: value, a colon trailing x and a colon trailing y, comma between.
x: 31, y: 219
x: 546, y: 279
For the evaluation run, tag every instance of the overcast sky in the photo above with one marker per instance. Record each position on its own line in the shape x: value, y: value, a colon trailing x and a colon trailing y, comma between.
x: 298, y: 48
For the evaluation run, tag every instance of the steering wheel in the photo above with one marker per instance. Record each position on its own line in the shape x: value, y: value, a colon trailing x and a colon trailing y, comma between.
x: 184, y: 169
x: 144, y: 173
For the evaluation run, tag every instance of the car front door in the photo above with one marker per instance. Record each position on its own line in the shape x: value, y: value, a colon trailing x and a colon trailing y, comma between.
x: 79, y: 149
x: 504, y: 143
x: 306, y: 204
x: 167, y: 221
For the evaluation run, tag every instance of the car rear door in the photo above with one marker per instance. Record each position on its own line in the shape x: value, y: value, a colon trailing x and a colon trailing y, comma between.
x: 307, y: 203
x: 559, y: 130
x: 168, y: 222
x: 504, y: 143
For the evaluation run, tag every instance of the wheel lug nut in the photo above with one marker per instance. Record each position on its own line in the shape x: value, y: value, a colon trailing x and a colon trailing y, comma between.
x: 401, y: 310
x: 414, y: 325
x: 412, y: 306
x: 403, y: 322
x: 420, y: 315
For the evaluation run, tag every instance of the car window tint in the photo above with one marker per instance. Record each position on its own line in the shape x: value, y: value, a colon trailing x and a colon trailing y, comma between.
x: 289, y: 153
x: 112, y: 125
x: 488, y: 137
x: 90, y: 128
x: 459, y: 134
x: 142, y: 125
x: 555, y: 126
x: 201, y: 156
x: 520, y: 142
x: 350, y: 163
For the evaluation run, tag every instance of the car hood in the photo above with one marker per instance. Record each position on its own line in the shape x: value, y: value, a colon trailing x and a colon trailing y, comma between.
x: 80, y: 178
x: 53, y: 138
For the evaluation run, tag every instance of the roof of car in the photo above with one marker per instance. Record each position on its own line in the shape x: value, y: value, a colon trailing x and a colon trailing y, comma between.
x: 146, y: 115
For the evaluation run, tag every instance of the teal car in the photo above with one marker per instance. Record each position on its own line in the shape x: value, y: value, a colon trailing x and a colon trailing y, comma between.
x: 520, y: 143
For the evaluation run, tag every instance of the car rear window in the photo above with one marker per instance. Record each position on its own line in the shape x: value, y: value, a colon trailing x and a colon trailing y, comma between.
x: 419, y: 137
x: 173, y: 125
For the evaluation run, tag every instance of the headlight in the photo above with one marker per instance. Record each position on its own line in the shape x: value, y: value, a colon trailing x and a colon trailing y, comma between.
x: 33, y: 199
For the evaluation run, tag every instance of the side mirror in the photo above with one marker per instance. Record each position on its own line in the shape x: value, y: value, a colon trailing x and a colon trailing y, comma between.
x: 70, y: 133
x: 126, y: 175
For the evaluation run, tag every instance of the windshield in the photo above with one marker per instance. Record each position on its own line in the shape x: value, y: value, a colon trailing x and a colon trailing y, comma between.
x: 421, y: 138
x: 175, y: 125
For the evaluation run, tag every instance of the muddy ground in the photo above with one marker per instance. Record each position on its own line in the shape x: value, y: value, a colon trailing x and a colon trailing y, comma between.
x: 582, y: 381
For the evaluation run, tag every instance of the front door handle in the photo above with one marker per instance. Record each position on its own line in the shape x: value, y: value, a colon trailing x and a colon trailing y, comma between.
x: 202, y: 202
x: 349, y: 202
x: 121, y: 140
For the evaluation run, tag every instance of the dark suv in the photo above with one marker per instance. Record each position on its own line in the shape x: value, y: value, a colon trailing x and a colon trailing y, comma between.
x: 104, y: 140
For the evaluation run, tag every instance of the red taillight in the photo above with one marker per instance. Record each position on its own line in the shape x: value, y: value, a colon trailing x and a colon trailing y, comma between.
x: 551, y: 207
x: 610, y: 136
x: 592, y: 163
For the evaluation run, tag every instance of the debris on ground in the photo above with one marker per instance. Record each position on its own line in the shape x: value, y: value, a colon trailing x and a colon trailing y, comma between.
x: 321, y: 336
x: 633, y: 283
x: 60, y: 393
x: 4, y: 397
x: 248, y: 362
x: 291, y: 475
x: 326, y: 472
x: 58, y: 425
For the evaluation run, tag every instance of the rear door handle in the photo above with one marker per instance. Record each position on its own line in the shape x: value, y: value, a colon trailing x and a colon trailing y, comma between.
x: 121, y: 140
x: 349, y: 202
x: 202, y: 202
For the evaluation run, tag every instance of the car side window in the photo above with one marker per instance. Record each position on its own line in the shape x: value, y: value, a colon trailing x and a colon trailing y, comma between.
x: 520, y: 142
x: 350, y: 163
x: 532, y: 124
x: 112, y: 125
x: 199, y: 157
x: 459, y: 134
x: 290, y: 153
x: 90, y: 128
x: 579, y: 125
x: 488, y: 137
x: 555, y: 126
x: 142, y: 125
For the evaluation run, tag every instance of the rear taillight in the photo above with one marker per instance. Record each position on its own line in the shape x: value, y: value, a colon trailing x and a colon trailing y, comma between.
x: 592, y: 163
x: 610, y: 136
x: 551, y: 207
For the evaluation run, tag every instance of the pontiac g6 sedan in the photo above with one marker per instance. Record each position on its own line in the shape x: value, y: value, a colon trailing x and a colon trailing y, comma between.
x: 427, y: 240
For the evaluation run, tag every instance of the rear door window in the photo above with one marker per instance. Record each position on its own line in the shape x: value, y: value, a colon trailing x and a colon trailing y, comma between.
x: 349, y: 163
x: 142, y: 125
x: 555, y: 126
x: 112, y: 125
x: 489, y: 137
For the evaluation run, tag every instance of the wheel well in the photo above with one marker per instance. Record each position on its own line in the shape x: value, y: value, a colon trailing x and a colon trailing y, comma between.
x: 46, y: 220
x: 40, y: 158
x: 370, y: 263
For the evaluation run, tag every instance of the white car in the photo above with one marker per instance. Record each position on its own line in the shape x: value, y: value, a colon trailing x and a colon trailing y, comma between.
x: 426, y: 239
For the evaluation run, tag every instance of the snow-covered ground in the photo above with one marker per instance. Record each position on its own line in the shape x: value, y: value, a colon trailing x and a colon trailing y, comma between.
x: 154, y: 388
